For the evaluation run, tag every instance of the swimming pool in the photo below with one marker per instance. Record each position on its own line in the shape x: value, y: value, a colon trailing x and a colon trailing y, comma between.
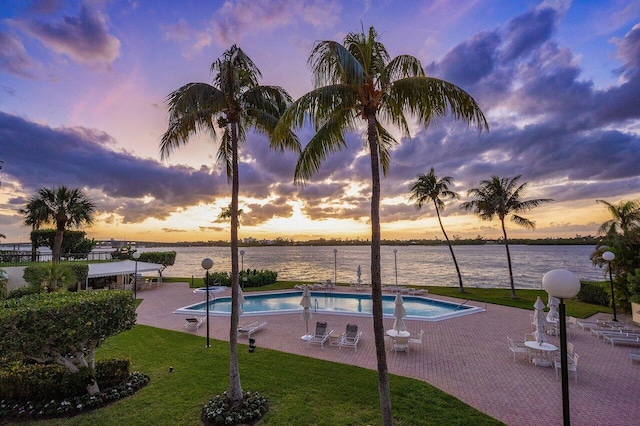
x: 417, y: 307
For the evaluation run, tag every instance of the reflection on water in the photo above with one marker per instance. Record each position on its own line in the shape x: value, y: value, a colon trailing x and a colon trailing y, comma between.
x: 417, y: 265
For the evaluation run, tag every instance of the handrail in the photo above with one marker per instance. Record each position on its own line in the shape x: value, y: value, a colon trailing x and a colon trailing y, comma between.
x: 316, y: 307
x: 460, y: 305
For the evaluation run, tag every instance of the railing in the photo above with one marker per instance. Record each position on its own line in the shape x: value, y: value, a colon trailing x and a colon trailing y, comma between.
x: 23, y: 257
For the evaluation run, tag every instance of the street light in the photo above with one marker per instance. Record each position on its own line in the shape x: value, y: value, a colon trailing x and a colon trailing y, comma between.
x: 395, y: 261
x: 335, y: 266
x: 136, y: 256
x: 609, y: 256
x: 562, y: 284
x: 207, y: 264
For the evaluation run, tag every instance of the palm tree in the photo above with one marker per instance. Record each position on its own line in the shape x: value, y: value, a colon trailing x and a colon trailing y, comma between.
x: 62, y: 206
x: 429, y: 188
x: 626, y: 217
x: 501, y: 197
x: 234, y: 103
x: 358, y: 86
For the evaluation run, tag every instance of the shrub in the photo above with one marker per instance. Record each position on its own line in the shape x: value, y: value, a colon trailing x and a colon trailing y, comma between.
x: 44, y: 382
x: 64, y: 328
x: 593, y: 293
x: 218, y: 278
x: 3, y: 284
x: 23, y: 410
x: 258, y: 278
x: 22, y: 291
x: 219, y: 412
x: 110, y: 372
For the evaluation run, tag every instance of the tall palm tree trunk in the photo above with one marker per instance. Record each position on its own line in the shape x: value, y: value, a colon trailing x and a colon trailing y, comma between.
x: 506, y: 245
x: 446, y: 237
x: 57, y: 241
x: 235, y: 387
x: 376, y: 280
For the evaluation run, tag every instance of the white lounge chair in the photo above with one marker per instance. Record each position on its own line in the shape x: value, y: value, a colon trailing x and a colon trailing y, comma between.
x: 251, y: 328
x: 321, y: 335
x: 194, y: 323
x: 622, y: 340
x: 350, y: 338
x: 634, y: 356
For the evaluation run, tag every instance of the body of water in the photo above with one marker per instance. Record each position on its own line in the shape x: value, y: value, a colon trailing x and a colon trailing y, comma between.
x: 483, y: 266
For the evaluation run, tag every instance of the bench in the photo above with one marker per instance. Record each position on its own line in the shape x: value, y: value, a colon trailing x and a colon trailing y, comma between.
x: 251, y: 328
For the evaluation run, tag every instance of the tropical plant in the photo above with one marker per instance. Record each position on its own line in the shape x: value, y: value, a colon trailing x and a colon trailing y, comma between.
x: 621, y: 235
x: 62, y: 207
x: 502, y: 197
x: 225, y: 214
x: 358, y: 86
x: 429, y: 188
x: 625, y: 217
x: 64, y: 328
x: 234, y: 103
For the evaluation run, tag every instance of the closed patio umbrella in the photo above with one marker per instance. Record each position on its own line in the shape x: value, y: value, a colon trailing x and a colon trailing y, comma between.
x: 306, y: 308
x: 553, y: 304
x: 540, y: 321
x: 399, y: 312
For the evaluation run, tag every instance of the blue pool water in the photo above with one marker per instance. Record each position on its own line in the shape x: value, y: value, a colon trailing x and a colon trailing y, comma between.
x: 420, y: 308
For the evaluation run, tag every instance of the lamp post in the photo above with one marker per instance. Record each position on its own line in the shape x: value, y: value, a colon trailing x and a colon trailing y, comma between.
x: 136, y: 256
x: 207, y: 264
x: 562, y: 284
x: 395, y: 261
x: 609, y: 257
x: 335, y: 266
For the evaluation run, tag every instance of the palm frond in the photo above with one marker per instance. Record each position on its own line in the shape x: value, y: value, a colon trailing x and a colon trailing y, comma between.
x: 386, y: 143
x: 331, y: 63
x: 328, y: 139
x: 426, y: 98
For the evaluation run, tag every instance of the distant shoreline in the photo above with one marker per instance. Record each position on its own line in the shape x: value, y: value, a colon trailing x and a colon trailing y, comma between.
x: 588, y: 241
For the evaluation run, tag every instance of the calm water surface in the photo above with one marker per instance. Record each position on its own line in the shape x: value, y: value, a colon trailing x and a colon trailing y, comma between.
x: 484, y: 266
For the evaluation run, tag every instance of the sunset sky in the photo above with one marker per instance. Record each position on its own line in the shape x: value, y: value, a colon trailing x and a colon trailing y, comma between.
x: 83, y: 87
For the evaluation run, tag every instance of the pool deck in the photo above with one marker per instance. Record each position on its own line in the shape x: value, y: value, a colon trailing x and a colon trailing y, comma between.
x: 466, y: 357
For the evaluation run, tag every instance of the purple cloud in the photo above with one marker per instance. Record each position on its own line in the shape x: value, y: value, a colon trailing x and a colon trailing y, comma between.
x: 84, y: 38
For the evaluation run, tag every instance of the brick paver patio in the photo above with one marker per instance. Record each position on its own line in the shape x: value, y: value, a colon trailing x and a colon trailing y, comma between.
x: 466, y: 357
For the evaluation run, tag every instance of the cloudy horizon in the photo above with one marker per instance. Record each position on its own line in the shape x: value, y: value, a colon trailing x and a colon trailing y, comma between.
x: 84, y: 84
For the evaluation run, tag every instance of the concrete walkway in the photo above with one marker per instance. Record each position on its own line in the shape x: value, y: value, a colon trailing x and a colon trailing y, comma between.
x: 466, y: 357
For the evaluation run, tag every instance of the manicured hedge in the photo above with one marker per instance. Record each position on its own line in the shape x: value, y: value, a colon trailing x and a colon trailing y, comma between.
x: 44, y: 382
x: 254, y: 278
x: 63, y: 328
x: 593, y: 293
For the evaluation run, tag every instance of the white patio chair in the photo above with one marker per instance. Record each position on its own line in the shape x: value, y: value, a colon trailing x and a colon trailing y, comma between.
x: 518, y: 348
x: 572, y: 365
x: 401, y: 344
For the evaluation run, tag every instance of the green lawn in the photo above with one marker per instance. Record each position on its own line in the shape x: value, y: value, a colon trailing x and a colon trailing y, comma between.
x: 301, y: 390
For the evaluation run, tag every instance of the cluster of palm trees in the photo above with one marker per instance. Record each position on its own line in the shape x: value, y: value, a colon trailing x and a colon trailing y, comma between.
x: 495, y: 197
x: 358, y: 87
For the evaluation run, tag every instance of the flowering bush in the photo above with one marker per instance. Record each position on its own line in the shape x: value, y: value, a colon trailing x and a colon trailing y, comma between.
x: 219, y: 412
x: 71, y: 406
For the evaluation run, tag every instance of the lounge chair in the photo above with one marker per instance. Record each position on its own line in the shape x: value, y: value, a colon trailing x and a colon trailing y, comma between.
x: 194, y: 323
x: 400, y: 344
x: 320, y: 335
x: 622, y: 340
x: 350, y: 338
x: 251, y: 328
x: 634, y: 356
x: 518, y: 348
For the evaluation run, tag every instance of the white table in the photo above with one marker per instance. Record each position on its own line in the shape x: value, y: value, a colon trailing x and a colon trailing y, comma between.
x: 395, y: 333
x: 544, y: 349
